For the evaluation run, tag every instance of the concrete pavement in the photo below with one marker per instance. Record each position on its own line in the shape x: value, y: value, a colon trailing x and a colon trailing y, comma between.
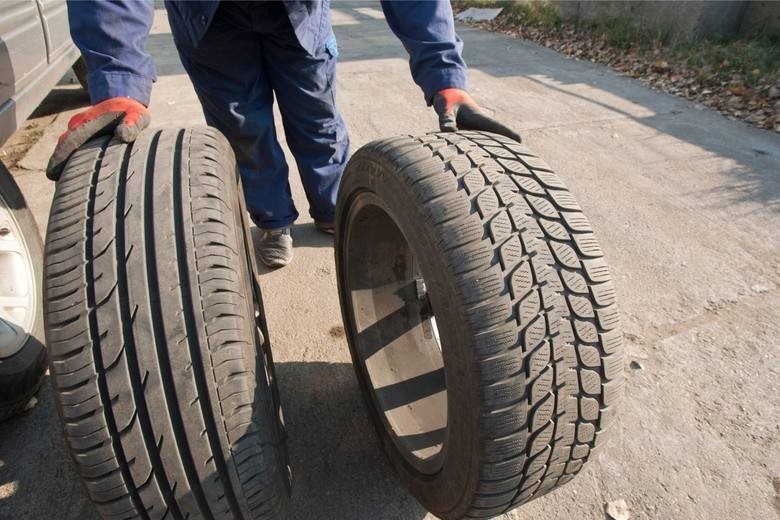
x: 686, y: 205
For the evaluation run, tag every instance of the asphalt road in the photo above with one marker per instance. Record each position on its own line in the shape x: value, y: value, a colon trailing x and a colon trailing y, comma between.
x: 686, y: 205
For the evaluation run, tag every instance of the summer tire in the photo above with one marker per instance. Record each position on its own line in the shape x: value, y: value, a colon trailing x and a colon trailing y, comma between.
x: 22, y: 356
x: 160, y: 362
x: 480, y: 316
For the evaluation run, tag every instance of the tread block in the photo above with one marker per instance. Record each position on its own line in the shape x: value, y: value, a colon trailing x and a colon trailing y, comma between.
x: 581, y: 306
x: 565, y: 255
x: 576, y: 221
x: 528, y: 185
x: 608, y: 317
x: 585, y: 331
x: 487, y: 202
x: 589, y: 355
x: 474, y: 181
x: 574, y: 282
x: 589, y: 408
x: 612, y: 341
x: 550, y: 180
x: 554, y: 229
x: 542, y: 207
x: 587, y: 245
x: 596, y: 270
x: 565, y: 200
x: 459, y: 165
x: 590, y: 382
x: 500, y: 227
x: 511, y: 253
x: 535, y: 163
x: 514, y: 166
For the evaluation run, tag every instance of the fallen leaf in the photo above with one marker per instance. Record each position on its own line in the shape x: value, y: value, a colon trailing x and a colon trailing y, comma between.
x: 661, y: 66
x: 738, y: 90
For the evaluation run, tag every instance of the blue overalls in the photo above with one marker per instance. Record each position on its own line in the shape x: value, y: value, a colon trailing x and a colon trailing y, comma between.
x: 240, y: 56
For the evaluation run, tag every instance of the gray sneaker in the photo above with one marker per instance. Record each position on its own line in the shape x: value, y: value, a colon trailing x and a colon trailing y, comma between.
x: 326, y: 227
x: 276, y: 247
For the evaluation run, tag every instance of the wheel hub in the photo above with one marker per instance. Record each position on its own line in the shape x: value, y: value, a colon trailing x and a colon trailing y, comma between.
x: 17, y: 294
x: 397, y: 337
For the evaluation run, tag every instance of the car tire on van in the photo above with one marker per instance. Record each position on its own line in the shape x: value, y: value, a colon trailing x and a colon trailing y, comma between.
x: 22, y: 355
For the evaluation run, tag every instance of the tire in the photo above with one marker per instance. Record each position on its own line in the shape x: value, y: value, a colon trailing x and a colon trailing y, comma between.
x: 22, y: 356
x: 480, y: 316
x: 161, y: 371
x: 81, y: 72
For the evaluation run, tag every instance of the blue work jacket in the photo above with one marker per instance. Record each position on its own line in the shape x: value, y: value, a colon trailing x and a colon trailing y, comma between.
x: 112, y: 38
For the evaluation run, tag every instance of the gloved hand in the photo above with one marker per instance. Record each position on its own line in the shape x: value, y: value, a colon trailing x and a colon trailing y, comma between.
x: 124, y: 117
x: 458, y: 111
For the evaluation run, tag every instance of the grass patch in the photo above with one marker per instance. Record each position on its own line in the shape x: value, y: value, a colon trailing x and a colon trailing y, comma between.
x: 623, y: 34
x: 752, y: 61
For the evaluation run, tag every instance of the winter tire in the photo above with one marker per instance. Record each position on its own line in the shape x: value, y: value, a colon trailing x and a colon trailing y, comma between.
x: 22, y: 356
x: 158, y: 354
x: 480, y: 316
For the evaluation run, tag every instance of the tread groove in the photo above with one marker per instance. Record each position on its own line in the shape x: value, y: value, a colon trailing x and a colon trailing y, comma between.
x: 126, y: 331
x: 158, y: 333
x: 122, y: 461
x: 190, y: 325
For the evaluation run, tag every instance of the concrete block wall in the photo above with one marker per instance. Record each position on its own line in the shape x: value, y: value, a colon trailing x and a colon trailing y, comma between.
x: 761, y: 17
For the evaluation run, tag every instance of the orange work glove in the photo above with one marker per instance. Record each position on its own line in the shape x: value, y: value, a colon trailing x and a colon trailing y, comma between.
x: 458, y: 111
x: 121, y: 116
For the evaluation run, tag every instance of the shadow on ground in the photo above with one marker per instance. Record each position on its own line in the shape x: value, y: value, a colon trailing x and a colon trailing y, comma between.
x: 61, y: 99
x: 338, y: 468
x: 37, y: 477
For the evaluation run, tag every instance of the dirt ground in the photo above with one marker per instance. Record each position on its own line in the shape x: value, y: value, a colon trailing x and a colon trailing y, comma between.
x: 686, y: 205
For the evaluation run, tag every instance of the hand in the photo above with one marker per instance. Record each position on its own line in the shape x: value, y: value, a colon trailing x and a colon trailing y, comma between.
x: 121, y: 116
x: 458, y: 111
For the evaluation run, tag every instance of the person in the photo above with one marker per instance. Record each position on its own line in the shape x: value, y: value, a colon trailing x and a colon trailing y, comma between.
x: 240, y: 56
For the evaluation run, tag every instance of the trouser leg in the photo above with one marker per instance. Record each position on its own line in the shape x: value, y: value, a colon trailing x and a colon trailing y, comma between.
x: 315, y: 131
x: 231, y: 81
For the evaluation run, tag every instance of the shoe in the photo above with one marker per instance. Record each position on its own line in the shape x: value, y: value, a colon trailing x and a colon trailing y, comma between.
x: 276, y: 247
x: 326, y: 227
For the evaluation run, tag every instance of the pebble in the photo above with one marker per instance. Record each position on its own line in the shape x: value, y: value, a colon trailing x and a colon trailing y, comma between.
x: 636, y: 365
x: 618, y: 510
x: 760, y: 288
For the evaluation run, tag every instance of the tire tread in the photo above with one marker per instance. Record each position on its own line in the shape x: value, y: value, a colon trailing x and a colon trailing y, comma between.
x: 134, y: 341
